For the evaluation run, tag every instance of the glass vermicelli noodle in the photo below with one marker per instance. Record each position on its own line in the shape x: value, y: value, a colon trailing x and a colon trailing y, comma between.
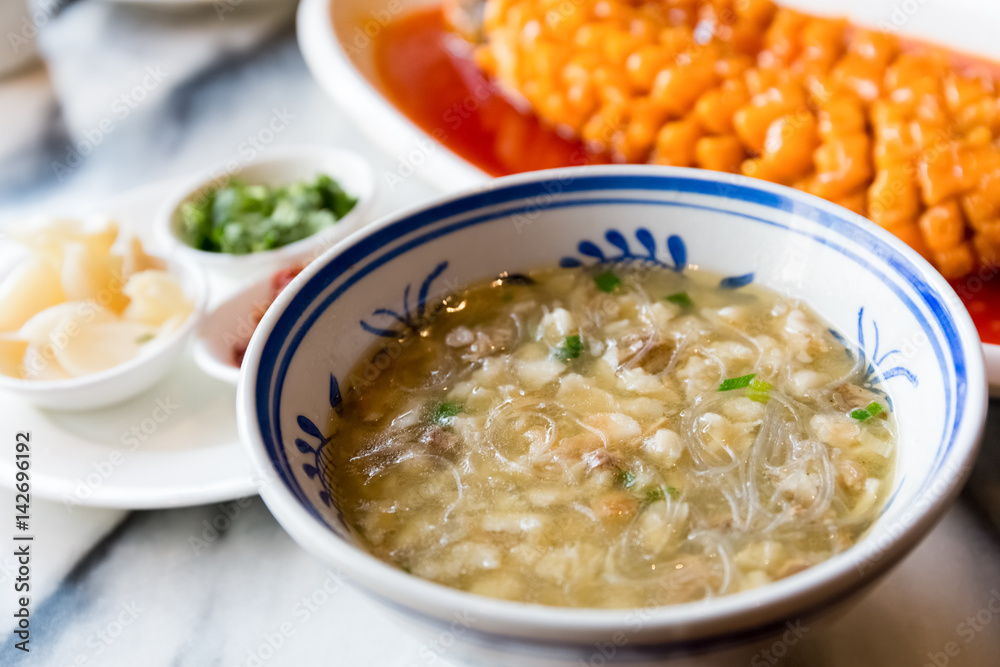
x: 616, y: 436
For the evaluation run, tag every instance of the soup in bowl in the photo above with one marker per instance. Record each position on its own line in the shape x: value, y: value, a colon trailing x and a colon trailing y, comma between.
x: 583, y: 397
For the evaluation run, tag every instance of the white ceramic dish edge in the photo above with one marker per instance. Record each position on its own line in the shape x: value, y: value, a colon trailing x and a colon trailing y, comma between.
x: 342, y: 78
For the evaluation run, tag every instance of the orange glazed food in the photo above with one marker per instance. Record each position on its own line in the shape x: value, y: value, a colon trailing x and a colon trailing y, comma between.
x: 901, y: 132
x: 904, y: 134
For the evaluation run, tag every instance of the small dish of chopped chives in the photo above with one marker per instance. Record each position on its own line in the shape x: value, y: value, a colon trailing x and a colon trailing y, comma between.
x: 288, y: 205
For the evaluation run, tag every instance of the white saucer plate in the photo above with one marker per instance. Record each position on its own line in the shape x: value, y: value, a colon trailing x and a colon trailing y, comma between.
x: 173, y: 445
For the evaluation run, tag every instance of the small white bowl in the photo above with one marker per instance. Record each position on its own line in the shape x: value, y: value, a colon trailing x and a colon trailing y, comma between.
x: 123, y: 381
x: 874, y: 289
x: 232, y: 321
x: 276, y: 166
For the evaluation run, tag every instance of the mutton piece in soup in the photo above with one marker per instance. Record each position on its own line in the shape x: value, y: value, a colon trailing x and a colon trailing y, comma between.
x: 614, y: 436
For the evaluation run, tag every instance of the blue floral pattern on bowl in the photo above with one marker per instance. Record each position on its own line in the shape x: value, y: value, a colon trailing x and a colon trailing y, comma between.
x: 675, y: 247
x: 408, y: 320
x: 875, y: 373
x: 315, y: 469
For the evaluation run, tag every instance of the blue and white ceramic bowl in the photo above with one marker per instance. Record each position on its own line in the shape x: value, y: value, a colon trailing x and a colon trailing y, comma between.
x: 872, y: 288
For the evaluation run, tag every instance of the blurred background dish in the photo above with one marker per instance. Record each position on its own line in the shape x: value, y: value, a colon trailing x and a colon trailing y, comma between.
x: 370, y: 61
x: 172, y: 444
x: 339, y: 53
x: 172, y: 434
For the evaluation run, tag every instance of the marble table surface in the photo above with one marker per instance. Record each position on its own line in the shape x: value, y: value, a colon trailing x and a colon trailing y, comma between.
x: 149, y: 588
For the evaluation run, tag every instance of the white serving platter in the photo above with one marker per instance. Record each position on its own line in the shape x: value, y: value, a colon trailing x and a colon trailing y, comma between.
x: 335, y: 38
x: 173, y: 445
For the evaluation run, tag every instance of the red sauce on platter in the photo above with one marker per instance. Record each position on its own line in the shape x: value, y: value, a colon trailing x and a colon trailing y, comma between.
x: 982, y: 298
x: 429, y: 74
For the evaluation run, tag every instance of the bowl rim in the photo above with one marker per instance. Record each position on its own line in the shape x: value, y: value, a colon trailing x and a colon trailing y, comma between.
x: 331, y: 67
x: 193, y: 275
x: 163, y: 223
x: 204, y: 356
x: 820, y: 585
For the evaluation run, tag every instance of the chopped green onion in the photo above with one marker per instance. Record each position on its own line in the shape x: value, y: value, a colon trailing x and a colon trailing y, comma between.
x: 655, y: 494
x: 759, y: 390
x: 681, y: 299
x: 873, y: 409
x: 626, y: 479
x: 570, y: 349
x: 737, y: 383
x: 444, y: 414
x: 145, y: 338
x: 238, y: 219
x: 659, y: 493
x: 607, y: 281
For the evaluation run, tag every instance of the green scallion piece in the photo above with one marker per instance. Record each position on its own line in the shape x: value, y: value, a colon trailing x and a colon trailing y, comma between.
x: 873, y: 409
x: 570, y: 349
x: 626, y: 479
x: 737, y: 383
x: 655, y: 494
x: 681, y: 299
x: 659, y: 493
x: 607, y: 281
x: 444, y: 413
x: 238, y: 219
x: 759, y: 390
